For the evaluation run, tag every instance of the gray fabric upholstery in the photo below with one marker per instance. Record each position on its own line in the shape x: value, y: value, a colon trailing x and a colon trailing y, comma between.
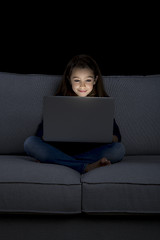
x: 137, y: 111
x: 130, y: 186
x: 27, y: 186
x: 21, y: 97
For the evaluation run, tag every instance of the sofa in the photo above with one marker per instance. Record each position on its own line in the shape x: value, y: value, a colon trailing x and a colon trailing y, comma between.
x: 43, y: 201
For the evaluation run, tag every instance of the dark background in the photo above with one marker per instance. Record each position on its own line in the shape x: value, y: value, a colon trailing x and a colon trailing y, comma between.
x: 119, y: 57
x: 123, y: 41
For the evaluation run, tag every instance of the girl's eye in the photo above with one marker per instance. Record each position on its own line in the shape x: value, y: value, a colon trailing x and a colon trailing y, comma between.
x: 88, y: 80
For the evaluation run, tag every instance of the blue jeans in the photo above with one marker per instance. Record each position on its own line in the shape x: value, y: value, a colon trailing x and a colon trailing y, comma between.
x: 35, y: 147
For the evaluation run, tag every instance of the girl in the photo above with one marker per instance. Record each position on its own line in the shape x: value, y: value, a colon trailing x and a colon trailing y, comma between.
x: 82, y: 77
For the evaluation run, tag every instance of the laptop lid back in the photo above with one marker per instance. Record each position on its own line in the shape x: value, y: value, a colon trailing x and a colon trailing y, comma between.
x: 78, y: 119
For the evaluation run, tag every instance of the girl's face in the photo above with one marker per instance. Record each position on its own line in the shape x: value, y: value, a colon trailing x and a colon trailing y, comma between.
x: 82, y: 81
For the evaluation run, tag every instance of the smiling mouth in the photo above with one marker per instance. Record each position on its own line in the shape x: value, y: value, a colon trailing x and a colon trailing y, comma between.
x: 82, y: 91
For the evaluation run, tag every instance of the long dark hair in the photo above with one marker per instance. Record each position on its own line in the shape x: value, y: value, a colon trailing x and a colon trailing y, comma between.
x: 81, y: 61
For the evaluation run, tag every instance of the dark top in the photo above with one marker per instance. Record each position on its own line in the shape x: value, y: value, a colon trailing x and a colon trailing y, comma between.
x: 74, y: 147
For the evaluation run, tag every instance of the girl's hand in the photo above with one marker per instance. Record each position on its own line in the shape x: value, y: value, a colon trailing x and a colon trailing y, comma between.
x: 115, y: 138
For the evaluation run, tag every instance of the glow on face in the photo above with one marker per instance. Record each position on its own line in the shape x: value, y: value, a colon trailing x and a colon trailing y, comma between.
x: 82, y: 81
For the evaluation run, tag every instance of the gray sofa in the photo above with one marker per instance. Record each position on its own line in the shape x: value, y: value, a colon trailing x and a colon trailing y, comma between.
x: 42, y: 200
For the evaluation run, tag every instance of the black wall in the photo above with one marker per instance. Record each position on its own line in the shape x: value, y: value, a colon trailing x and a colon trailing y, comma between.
x: 122, y: 44
x: 51, y: 58
x: 116, y: 55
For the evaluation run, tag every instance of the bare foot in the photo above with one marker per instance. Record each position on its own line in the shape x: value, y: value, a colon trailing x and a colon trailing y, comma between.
x: 100, y: 163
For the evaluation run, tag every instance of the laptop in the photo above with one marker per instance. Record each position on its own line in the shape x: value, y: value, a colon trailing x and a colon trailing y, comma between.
x: 78, y: 119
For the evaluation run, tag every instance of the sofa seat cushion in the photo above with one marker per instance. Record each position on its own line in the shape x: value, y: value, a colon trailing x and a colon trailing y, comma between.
x: 27, y: 186
x: 130, y: 186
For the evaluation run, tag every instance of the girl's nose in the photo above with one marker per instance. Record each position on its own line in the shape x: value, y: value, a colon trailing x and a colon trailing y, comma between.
x: 82, y: 84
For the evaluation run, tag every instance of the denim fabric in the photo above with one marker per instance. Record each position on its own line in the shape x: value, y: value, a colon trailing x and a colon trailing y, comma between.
x: 35, y: 147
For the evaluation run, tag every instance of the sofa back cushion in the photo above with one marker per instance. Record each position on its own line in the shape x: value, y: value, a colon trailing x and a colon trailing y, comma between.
x: 137, y: 112
x: 21, y: 97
